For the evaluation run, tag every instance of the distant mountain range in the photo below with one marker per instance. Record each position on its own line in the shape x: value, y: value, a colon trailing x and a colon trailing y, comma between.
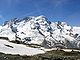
x: 40, y: 31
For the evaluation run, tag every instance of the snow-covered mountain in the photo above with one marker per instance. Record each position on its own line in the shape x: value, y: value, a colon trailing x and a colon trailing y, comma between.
x: 38, y: 30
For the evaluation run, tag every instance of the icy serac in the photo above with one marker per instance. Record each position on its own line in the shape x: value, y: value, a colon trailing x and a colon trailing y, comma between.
x: 38, y: 30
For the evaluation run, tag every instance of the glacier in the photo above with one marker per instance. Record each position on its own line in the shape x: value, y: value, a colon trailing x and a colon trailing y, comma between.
x: 38, y: 30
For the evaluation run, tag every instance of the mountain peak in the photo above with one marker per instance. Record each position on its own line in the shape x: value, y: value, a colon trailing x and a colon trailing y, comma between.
x: 38, y: 30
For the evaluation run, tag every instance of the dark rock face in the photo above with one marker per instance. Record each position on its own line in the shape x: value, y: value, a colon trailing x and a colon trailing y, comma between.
x: 4, y: 38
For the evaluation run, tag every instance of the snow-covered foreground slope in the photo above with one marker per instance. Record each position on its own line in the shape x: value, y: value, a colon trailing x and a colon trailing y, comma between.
x: 20, y: 49
x: 38, y: 30
x: 12, y: 48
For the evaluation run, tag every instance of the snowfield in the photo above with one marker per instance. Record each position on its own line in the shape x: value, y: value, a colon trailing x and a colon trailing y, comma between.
x: 18, y: 49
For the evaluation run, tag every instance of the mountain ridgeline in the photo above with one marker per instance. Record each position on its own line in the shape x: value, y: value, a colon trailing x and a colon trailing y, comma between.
x: 40, y: 31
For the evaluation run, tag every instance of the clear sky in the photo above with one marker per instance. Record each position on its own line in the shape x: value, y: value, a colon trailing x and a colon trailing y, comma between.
x: 54, y: 10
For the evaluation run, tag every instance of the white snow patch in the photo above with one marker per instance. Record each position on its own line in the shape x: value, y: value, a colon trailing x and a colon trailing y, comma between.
x: 18, y: 49
x: 76, y: 30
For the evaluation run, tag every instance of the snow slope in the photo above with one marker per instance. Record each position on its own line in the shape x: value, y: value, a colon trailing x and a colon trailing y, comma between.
x: 12, y: 48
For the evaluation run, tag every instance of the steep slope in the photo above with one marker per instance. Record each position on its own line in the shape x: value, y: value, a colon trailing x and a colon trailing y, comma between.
x: 38, y: 30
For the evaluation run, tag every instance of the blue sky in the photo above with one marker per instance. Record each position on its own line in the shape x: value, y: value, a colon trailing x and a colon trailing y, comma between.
x: 54, y: 10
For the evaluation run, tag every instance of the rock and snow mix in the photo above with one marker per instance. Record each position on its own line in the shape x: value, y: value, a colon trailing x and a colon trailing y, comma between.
x: 40, y: 31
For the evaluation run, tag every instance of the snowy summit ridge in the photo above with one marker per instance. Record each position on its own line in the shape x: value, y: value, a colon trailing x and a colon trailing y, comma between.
x: 38, y: 30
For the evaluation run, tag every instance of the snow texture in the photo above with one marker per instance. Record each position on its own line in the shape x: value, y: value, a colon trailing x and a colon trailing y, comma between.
x: 12, y: 48
x: 38, y: 30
